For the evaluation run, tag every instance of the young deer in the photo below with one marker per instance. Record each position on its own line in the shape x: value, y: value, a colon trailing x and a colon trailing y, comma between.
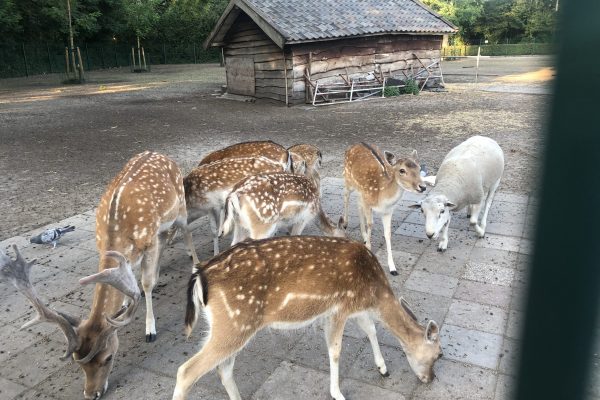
x: 141, y: 203
x: 380, y: 180
x: 311, y: 156
x: 259, y: 204
x: 289, y: 282
x: 266, y: 148
x: 207, y: 187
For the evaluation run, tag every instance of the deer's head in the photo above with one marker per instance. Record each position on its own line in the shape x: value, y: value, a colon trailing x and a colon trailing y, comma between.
x: 91, y: 343
x: 407, y: 172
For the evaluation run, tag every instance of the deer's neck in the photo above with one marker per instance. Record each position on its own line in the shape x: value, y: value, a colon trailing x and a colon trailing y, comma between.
x: 403, y: 326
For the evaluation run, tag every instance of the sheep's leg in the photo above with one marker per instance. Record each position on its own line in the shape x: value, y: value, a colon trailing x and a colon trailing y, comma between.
x: 488, y: 203
x: 443, y: 245
x: 469, y: 211
x: 367, y: 325
x: 475, y: 210
x: 334, y: 330
x: 386, y: 219
x: 225, y: 370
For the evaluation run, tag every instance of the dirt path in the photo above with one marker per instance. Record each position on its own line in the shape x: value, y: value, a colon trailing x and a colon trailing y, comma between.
x: 59, y: 146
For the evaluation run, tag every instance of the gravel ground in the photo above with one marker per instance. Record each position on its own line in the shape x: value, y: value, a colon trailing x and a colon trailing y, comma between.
x: 61, y: 145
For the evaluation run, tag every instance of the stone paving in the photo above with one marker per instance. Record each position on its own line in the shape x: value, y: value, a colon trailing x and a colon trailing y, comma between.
x: 473, y: 290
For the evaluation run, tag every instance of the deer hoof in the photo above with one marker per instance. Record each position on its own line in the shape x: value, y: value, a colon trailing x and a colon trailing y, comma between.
x: 395, y: 273
x: 151, y: 337
x: 387, y: 373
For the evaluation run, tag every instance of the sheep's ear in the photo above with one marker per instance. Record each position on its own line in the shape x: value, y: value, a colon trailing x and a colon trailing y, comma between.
x: 450, y: 204
x: 415, y: 206
x: 390, y: 157
x: 414, y: 155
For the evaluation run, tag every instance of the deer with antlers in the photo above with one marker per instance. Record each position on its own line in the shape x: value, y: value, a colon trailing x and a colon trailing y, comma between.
x: 380, y: 180
x: 207, y: 187
x: 139, y: 206
x: 259, y: 204
x: 289, y: 282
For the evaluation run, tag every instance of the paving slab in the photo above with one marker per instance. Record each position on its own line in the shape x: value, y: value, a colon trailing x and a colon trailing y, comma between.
x: 474, y: 291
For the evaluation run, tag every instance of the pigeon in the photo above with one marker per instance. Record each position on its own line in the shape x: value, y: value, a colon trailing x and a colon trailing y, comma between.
x: 51, y: 235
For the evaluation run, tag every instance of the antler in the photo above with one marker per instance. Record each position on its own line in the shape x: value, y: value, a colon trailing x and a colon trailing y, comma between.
x: 122, y: 279
x: 17, y: 272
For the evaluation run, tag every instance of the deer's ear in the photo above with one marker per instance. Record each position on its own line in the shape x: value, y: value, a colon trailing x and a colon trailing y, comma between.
x: 432, y: 332
x: 414, y: 155
x: 390, y: 157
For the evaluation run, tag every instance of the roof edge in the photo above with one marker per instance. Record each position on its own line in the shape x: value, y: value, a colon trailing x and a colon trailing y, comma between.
x: 228, y: 17
x: 394, y: 33
x: 450, y: 24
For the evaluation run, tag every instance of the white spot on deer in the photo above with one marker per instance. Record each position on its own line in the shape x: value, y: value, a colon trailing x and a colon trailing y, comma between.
x: 240, y: 297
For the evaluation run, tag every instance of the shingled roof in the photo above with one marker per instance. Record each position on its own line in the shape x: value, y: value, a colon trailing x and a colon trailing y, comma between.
x: 290, y: 21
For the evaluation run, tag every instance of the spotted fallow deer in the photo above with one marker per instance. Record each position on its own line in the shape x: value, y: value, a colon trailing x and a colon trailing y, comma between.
x: 207, y: 187
x: 289, y: 282
x: 264, y: 148
x: 140, y: 204
x: 380, y: 180
x: 259, y: 204
x: 311, y: 156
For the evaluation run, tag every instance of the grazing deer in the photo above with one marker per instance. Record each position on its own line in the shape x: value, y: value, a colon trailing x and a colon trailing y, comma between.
x: 259, y: 204
x: 312, y: 157
x: 91, y: 343
x: 265, y: 148
x: 139, y: 206
x: 207, y: 187
x: 380, y: 180
x: 289, y: 282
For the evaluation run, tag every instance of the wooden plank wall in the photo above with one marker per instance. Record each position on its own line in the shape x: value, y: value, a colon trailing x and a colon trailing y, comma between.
x: 357, y: 56
x: 246, y: 39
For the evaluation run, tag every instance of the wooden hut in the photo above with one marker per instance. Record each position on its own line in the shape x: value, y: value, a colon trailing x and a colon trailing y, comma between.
x: 279, y: 49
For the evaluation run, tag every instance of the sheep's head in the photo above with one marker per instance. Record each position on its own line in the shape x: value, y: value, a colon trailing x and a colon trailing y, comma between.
x: 407, y: 172
x: 437, y: 213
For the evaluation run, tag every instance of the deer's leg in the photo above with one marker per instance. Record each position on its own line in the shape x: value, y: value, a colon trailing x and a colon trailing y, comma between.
x: 368, y: 221
x: 367, y: 325
x: 225, y: 370
x: 334, y: 330
x: 182, y: 224
x: 298, y: 227
x: 150, y: 270
x: 346, y: 205
x: 213, y: 218
x: 212, y: 354
x: 488, y: 203
x: 386, y: 219
x: 239, y: 234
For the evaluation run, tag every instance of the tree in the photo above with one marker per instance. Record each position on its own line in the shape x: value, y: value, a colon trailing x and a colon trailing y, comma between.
x: 10, y: 19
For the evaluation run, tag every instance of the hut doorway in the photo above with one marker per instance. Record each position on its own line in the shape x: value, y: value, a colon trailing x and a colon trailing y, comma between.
x: 240, y: 76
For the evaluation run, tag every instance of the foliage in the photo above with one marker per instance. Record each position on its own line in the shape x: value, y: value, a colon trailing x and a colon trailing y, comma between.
x: 412, y: 87
x: 192, y: 20
x: 391, y: 91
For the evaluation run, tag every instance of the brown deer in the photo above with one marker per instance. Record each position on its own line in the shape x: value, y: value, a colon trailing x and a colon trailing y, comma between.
x: 380, y: 180
x: 265, y: 148
x: 207, y: 187
x: 141, y: 203
x: 311, y: 156
x: 289, y: 282
x: 259, y: 204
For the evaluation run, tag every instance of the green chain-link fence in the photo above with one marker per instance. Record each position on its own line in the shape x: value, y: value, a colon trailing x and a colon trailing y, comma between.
x: 33, y: 59
x: 518, y: 49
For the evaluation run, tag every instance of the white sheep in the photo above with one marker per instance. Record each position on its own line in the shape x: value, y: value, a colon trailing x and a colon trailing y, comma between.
x: 469, y: 176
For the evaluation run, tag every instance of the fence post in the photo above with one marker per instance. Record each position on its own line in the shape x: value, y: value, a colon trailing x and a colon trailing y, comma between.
x: 49, y: 58
x: 25, y: 59
x: 87, y: 56
x: 194, y: 53
x: 164, y: 53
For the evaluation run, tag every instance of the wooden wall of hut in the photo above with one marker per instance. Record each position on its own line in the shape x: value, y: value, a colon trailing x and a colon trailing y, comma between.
x: 246, y: 39
x: 361, y: 55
